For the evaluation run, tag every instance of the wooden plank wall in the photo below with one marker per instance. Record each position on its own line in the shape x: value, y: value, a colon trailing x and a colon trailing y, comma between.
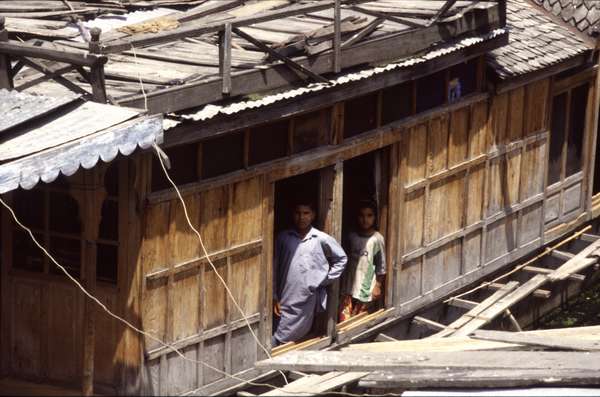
x: 185, y: 304
x: 472, y: 189
x: 43, y: 312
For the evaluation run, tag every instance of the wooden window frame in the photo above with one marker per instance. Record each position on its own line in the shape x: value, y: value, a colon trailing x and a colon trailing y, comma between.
x: 565, y: 183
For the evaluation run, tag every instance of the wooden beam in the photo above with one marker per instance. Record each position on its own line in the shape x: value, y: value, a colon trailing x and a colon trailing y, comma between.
x: 429, y: 324
x: 538, y: 293
x: 564, y: 256
x: 225, y: 58
x: 253, y: 246
x: 351, y: 360
x: 585, y: 258
x: 462, y: 303
x: 378, y: 49
x: 6, y: 74
x: 337, y: 37
x: 58, y: 78
x: 590, y: 238
x: 193, y: 30
x: 560, y: 343
x: 474, y: 378
x: 96, y: 75
x: 287, y: 61
x: 543, y: 270
x: 445, y: 7
x: 63, y: 55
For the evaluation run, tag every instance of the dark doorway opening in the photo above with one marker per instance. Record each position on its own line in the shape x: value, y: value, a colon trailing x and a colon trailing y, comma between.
x: 288, y: 191
x: 365, y: 179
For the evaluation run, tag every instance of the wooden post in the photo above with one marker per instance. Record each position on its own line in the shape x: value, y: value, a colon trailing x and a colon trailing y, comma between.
x: 330, y: 217
x: 91, y: 201
x: 593, y: 142
x: 337, y: 38
x: 225, y: 58
x: 5, y: 72
x: 97, y: 70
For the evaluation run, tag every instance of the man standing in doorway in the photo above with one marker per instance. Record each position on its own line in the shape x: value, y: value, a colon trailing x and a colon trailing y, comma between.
x: 306, y: 261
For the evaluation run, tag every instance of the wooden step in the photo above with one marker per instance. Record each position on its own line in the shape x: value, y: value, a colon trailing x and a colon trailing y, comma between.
x: 462, y: 303
x: 538, y: 293
x: 543, y: 270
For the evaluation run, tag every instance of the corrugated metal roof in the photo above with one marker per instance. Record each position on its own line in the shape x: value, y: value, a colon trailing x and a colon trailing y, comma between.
x: 80, y: 137
x: 86, y: 119
x: 210, y: 111
x: 17, y: 108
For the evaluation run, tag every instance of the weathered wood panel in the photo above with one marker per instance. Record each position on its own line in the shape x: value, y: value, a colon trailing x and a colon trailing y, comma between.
x: 536, y: 104
x: 481, y: 197
x: 192, y: 308
x: 478, y: 129
x: 414, y: 160
x: 409, y: 280
x: 442, y: 265
x: 458, y: 136
x: 446, y: 206
x: 534, y: 160
x: 65, y: 338
x: 438, y: 144
x: 26, y: 346
x: 413, y: 218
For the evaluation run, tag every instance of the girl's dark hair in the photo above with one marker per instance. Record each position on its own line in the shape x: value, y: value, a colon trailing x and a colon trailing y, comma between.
x: 367, y: 204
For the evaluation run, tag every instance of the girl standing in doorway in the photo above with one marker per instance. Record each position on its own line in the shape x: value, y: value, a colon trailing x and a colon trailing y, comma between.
x: 363, y: 279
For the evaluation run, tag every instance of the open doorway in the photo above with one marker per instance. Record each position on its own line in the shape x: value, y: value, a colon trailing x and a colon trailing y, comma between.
x: 365, y: 191
x: 304, y: 188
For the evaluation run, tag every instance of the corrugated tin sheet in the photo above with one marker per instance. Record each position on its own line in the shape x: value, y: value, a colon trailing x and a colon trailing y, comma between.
x: 86, y: 119
x: 71, y: 139
x: 17, y: 108
x: 210, y: 111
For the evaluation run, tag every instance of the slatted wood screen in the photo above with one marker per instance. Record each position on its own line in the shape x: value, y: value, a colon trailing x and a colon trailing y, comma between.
x: 185, y: 304
x: 472, y: 184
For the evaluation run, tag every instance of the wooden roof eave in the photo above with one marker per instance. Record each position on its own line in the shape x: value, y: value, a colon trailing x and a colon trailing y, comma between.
x: 279, y: 75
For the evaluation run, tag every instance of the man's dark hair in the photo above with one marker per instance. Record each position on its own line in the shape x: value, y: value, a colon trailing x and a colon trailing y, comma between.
x: 306, y: 201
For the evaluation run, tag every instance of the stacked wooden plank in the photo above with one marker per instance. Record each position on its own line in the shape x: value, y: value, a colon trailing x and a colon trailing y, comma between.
x: 462, y: 355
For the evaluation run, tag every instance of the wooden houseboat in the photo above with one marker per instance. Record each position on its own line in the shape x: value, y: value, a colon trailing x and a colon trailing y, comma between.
x: 472, y: 124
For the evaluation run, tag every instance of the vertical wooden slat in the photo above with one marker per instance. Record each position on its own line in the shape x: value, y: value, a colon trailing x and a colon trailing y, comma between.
x: 593, y: 139
x: 395, y: 203
x: 330, y: 219
x: 268, y: 217
x: 229, y: 306
x: 225, y: 58
x: 92, y: 207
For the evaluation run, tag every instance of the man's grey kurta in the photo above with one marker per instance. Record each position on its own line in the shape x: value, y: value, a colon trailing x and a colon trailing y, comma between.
x: 302, y: 268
